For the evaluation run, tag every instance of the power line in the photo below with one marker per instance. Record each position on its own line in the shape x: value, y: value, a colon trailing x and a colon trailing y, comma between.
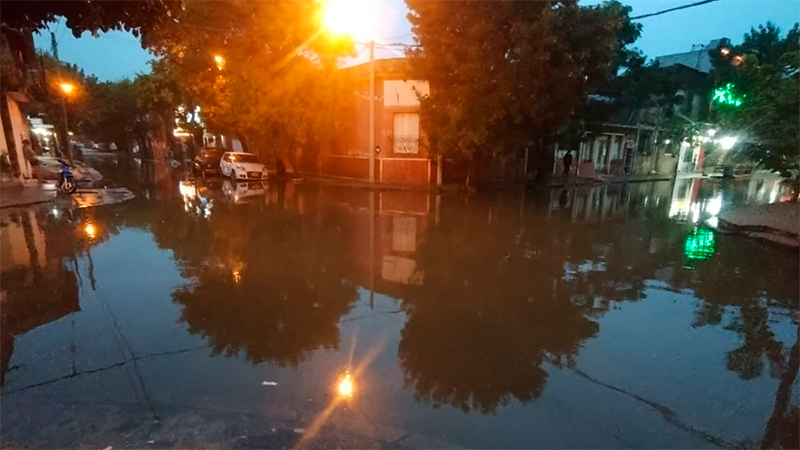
x: 399, y: 37
x: 658, y: 13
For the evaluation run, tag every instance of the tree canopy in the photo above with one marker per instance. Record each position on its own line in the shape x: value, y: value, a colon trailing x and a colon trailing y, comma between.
x: 137, y: 16
x: 504, y: 74
x: 768, y: 81
x: 262, y: 71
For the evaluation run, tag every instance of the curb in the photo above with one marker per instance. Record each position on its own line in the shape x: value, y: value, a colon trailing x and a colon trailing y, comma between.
x: 763, y: 233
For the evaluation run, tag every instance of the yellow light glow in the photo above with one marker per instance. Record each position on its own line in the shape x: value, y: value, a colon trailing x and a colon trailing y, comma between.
x: 220, y: 61
x: 355, y: 18
x: 67, y: 88
x: 90, y: 230
x: 237, y: 276
x: 345, y: 387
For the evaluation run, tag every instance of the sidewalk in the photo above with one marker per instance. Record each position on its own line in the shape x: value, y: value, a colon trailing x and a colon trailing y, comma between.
x: 452, y: 187
x: 601, y: 179
x: 778, y: 223
x: 16, y: 195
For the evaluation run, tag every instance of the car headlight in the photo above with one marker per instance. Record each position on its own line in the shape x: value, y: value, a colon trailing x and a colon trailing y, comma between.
x: 263, y: 169
x: 240, y: 167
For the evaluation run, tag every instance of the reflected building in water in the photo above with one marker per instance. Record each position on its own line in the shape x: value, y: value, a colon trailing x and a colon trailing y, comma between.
x: 36, y: 288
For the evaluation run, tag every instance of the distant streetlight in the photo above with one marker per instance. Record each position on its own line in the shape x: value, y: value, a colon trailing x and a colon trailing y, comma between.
x: 357, y: 19
x: 727, y: 142
x: 220, y: 61
x: 67, y: 89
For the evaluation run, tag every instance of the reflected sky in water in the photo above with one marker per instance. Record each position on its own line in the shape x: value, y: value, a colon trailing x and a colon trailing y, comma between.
x: 227, y: 314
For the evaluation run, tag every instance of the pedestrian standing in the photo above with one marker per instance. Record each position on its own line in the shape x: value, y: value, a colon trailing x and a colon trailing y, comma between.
x: 33, y: 159
x: 567, y: 163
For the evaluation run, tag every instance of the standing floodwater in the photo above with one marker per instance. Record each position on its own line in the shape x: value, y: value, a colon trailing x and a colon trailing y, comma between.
x: 247, y: 315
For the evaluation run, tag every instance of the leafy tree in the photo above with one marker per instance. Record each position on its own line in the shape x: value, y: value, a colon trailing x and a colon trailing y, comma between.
x: 78, y: 104
x: 276, y: 87
x: 115, y: 116
x: 768, y: 80
x: 137, y: 16
x: 158, y: 97
x: 505, y: 74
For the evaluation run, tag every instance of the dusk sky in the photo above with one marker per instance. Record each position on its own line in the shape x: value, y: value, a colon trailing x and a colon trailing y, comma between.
x: 117, y: 54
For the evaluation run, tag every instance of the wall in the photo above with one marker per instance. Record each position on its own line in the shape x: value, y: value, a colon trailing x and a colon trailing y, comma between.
x: 345, y: 166
x: 19, y: 128
x: 348, y: 157
x: 665, y: 165
x: 406, y: 170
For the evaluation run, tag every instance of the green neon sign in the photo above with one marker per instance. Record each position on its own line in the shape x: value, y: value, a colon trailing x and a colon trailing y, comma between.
x: 700, y: 244
x: 725, y: 95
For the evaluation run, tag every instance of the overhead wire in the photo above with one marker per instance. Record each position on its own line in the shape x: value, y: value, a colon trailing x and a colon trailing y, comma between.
x: 676, y: 8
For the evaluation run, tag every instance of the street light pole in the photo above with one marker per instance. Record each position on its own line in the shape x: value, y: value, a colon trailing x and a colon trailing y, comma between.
x: 66, y: 130
x: 372, y: 111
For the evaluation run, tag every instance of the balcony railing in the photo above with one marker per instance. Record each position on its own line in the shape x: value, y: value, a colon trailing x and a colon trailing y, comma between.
x: 405, y: 145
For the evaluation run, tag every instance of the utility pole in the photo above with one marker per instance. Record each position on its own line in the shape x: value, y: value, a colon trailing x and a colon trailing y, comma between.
x: 54, y: 45
x: 66, y: 130
x: 65, y: 135
x: 371, y: 111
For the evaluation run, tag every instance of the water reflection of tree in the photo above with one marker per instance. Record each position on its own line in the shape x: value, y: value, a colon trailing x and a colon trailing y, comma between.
x: 268, y: 284
x: 750, y: 285
x: 503, y: 294
x: 493, y: 307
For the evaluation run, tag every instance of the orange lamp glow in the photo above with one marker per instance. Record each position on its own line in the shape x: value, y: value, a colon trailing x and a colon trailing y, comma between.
x: 355, y: 18
x: 67, y: 88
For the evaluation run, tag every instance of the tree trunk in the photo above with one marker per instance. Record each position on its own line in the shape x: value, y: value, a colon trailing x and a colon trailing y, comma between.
x: 543, y: 160
x: 473, y: 180
x: 280, y: 167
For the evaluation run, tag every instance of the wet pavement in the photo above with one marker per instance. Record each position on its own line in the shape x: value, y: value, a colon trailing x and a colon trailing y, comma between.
x: 208, y: 314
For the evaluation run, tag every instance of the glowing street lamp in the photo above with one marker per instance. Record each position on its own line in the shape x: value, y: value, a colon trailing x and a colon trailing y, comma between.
x: 727, y: 142
x: 66, y: 88
x: 354, y: 18
x: 357, y: 19
x: 220, y: 61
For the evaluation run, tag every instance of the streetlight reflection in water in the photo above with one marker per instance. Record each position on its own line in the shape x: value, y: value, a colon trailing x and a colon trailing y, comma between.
x: 90, y: 230
x: 345, y: 387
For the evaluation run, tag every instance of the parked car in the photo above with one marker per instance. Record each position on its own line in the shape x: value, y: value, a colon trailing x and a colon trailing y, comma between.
x: 206, y: 161
x: 242, y: 166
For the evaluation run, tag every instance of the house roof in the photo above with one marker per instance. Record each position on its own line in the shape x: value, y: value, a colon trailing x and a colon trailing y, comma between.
x: 697, y: 59
x: 389, y: 68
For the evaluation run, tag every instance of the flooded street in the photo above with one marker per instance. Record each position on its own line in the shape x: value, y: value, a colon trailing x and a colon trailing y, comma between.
x: 209, y: 314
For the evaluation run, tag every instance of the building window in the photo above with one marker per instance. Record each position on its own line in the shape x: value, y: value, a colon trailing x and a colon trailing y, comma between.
x: 405, y: 136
